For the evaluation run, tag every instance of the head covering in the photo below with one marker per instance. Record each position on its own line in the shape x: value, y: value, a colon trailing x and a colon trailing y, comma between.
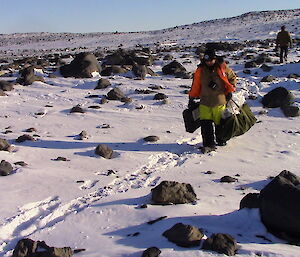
x: 209, y: 55
x: 283, y: 27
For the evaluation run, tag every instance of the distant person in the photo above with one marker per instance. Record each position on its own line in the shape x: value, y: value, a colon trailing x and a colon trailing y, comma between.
x: 213, y: 83
x: 283, y: 41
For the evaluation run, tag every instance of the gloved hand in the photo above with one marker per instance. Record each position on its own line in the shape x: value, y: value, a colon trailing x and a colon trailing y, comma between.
x: 192, y: 104
x: 228, y: 97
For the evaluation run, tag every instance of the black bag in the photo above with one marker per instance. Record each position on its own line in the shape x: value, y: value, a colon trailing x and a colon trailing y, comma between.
x: 191, y: 119
x: 237, y: 124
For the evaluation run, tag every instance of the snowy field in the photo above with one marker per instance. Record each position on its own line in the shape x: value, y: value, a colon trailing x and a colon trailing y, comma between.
x: 93, y: 203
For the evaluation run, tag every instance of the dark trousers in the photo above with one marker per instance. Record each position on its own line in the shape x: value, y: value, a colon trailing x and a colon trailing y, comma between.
x: 210, y: 133
x: 283, y: 53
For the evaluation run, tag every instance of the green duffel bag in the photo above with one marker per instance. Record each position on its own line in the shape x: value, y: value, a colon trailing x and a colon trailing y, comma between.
x: 237, y: 124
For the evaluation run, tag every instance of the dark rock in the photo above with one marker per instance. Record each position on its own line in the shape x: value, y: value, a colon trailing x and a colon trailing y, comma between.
x: 139, y: 71
x: 173, y: 192
x: 278, y: 97
x: 251, y: 64
x: 144, y: 91
x: 151, y: 138
x: 31, y: 130
x: 268, y: 78
x: 6, y: 86
x: 156, y: 220
x: 4, y: 145
x: 83, y: 65
x: 103, y: 83
x: 266, y: 68
x: 21, y: 163
x: 184, y: 235
x: 250, y: 201
x: 5, y: 168
x: 115, y: 94
x: 228, y: 179
x: 221, y: 243
x: 247, y: 71
x: 173, y: 68
x: 168, y: 57
x: 27, y: 76
x: 279, y: 207
x: 151, y: 252
x: 114, y: 69
x: 83, y: 135
x: 61, y: 158
x: 290, y: 110
x: 293, y: 76
x: 2, y: 93
x: 77, y: 109
x: 24, y: 138
x: 104, y: 151
x: 160, y: 96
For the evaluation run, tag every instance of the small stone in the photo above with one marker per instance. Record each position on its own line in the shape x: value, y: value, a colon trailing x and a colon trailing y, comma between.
x: 77, y: 109
x: 104, y: 151
x: 24, y: 138
x: 5, y: 168
x: 228, y: 179
x: 151, y: 138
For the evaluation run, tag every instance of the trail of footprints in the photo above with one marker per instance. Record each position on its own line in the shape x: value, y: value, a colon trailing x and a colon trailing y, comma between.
x: 48, y: 212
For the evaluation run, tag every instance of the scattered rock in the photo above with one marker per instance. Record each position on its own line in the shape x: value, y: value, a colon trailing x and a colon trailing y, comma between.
x: 293, y: 76
x: 184, y: 235
x: 151, y: 252
x: 103, y: 83
x: 31, y: 130
x: 250, y: 201
x: 5, y: 168
x: 27, y: 76
x: 77, y: 109
x: 4, y: 145
x: 6, y: 86
x: 83, y: 135
x: 266, y: 68
x: 228, y: 179
x: 173, y: 68
x: 151, y: 138
x: 173, y: 192
x: 221, y: 243
x: 104, y: 151
x: 160, y: 96
x: 60, y: 158
x: 156, y: 220
x: 268, y: 78
x: 290, y: 110
x: 24, y: 138
x: 21, y: 163
x: 115, y: 94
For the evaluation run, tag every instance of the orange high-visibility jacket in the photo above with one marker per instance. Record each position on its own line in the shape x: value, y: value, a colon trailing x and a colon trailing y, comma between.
x: 195, y: 91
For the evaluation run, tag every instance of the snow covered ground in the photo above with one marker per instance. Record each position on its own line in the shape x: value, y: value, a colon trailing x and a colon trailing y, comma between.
x: 93, y: 203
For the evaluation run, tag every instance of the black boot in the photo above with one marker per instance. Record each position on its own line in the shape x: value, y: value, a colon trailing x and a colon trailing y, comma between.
x: 220, y: 141
x: 208, y: 136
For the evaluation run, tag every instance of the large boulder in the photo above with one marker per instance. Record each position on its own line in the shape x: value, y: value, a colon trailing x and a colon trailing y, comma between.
x: 184, y: 235
x: 173, y: 192
x: 280, y: 208
x: 278, y: 97
x: 83, y: 66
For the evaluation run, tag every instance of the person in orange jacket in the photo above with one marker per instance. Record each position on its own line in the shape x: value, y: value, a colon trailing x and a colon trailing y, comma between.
x: 213, y: 83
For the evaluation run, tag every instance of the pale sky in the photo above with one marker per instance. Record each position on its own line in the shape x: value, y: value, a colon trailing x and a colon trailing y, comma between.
x: 122, y: 15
